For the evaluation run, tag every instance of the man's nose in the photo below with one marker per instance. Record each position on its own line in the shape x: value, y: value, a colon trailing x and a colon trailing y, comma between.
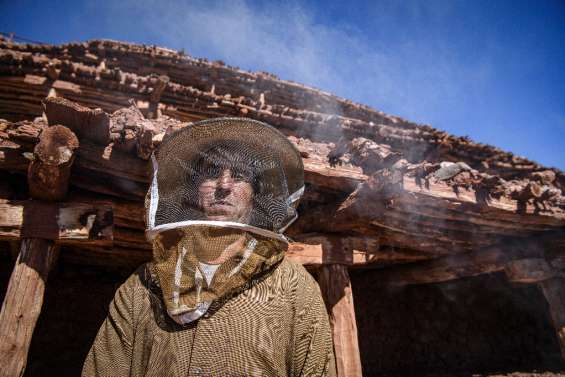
x: 225, y: 180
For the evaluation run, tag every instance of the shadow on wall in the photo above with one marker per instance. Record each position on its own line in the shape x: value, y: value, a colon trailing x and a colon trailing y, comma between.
x: 479, y: 325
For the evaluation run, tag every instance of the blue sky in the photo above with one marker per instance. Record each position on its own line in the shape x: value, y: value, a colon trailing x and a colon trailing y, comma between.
x: 493, y: 70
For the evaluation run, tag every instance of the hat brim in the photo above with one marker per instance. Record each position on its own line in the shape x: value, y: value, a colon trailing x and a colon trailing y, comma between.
x: 188, y: 143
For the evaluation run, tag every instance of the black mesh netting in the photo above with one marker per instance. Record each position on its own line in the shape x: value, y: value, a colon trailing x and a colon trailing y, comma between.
x: 234, y: 173
x: 228, y: 169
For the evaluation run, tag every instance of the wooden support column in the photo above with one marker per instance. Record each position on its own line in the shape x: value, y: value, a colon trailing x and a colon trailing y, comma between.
x: 48, y: 177
x: 336, y: 290
x: 23, y: 302
x: 554, y: 291
x: 153, y: 111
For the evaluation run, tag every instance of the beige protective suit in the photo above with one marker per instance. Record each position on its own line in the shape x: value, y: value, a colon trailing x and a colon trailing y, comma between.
x: 277, y: 327
x: 219, y: 298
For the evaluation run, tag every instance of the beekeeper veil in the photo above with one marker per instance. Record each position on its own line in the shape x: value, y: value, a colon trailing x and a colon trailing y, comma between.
x: 223, y: 191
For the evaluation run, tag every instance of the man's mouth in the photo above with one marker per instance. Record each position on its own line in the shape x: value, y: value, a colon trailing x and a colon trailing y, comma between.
x: 220, y: 203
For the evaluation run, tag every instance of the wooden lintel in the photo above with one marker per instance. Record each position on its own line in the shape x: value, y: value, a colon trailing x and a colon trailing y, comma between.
x: 93, y: 154
x: 320, y: 249
x: 65, y: 222
x: 23, y: 302
x: 472, y: 263
x: 336, y: 290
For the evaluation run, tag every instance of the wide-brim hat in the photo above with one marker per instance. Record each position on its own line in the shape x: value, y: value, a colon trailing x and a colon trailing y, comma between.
x: 281, y: 161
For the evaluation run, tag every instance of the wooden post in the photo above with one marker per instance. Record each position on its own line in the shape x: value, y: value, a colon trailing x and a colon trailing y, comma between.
x: 22, y: 304
x: 48, y: 174
x: 554, y: 291
x: 48, y: 177
x: 336, y: 290
x: 153, y: 111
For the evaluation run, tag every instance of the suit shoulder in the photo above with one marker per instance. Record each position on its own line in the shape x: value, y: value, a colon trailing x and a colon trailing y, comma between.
x: 295, y: 277
x: 140, y: 278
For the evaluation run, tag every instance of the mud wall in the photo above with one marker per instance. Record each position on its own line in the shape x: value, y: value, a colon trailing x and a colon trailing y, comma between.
x: 475, y: 325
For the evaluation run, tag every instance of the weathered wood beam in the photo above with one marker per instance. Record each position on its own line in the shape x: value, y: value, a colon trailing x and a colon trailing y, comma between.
x: 129, y: 249
x: 437, y: 222
x: 22, y: 304
x: 336, y: 290
x: 321, y: 249
x: 320, y: 174
x: 85, y: 122
x: 468, y: 198
x: 48, y: 177
x: 488, y: 260
x: 65, y: 222
x: 155, y: 96
x: 48, y: 173
x: 120, y: 166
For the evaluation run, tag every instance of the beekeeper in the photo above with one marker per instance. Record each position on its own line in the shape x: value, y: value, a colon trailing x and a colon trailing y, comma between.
x: 219, y: 298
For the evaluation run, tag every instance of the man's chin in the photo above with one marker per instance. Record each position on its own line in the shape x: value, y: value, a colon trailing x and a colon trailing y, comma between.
x: 226, y: 217
x: 221, y: 217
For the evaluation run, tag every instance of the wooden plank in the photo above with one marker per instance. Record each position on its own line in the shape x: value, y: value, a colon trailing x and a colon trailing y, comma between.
x: 336, y: 290
x: 12, y: 159
x: 48, y: 179
x: 461, y: 196
x: 66, y: 222
x: 488, y: 260
x: 22, y: 304
x: 321, y: 174
x: 320, y: 249
x: 92, y: 124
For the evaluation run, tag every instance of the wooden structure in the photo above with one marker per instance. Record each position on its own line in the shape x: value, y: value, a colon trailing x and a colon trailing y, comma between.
x: 412, y: 203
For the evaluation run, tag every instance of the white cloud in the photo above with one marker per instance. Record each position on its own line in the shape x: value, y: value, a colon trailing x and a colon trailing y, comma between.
x: 412, y: 80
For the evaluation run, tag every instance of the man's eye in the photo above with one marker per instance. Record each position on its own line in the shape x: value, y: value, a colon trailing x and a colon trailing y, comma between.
x: 213, y: 174
x: 238, y: 176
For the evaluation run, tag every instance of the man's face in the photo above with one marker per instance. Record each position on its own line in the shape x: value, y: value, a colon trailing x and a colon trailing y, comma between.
x: 226, y: 198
